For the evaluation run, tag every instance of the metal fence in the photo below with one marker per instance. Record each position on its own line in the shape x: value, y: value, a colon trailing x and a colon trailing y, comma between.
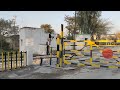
x: 12, y: 60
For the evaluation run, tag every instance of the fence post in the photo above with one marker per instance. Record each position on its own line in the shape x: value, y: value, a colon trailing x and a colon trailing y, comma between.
x: 11, y: 60
x: 29, y: 57
x: 61, y: 47
x: 16, y: 59
x: 8, y: 61
x: 21, y: 57
x: 2, y: 61
x: 25, y: 58
x: 5, y: 61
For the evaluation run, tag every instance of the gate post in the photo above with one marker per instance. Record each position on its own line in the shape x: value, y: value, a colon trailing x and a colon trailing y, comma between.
x: 29, y: 57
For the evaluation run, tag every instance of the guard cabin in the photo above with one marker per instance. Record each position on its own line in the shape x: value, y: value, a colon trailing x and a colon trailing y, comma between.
x: 34, y: 40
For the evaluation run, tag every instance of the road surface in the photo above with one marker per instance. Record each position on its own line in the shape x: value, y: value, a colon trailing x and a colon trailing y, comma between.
x: 37, y: 72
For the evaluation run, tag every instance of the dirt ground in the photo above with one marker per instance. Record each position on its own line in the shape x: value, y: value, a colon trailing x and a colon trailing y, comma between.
x: 70, y: 72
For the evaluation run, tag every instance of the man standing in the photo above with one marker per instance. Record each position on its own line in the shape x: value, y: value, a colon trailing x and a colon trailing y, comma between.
x: 48, y: 43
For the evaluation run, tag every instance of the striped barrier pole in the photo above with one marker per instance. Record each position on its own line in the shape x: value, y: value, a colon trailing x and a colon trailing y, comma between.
x: 61, y: 47
x: 63, y: 51
x: 58, y: 52
x: 73, y: 41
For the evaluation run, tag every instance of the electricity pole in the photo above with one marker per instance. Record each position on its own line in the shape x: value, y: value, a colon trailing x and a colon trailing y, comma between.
x: 75, y: 29
x: 1, y: 41
x: 14, y: 22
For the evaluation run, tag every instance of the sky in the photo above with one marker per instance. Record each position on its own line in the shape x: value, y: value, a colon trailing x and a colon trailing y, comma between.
x: 55, y: 18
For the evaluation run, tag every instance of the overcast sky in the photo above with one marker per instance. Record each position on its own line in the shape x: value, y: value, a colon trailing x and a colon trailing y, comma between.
x: 55, y: 18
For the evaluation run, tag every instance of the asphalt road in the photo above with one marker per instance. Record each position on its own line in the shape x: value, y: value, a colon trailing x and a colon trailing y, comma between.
x: 43, y: 72
x: 37, y: 72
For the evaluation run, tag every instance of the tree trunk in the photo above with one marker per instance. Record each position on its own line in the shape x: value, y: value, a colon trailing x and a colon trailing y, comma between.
x: 98, y: 37
x: 72, y: 36
x: 92, y: 37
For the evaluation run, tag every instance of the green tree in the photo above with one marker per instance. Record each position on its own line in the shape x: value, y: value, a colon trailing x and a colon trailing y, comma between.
x: 88, y: 22
x: 71, y: 27
x: 117, y: 35
x: 47, y: 28
x: 7, y: 28
x: 102, y: 27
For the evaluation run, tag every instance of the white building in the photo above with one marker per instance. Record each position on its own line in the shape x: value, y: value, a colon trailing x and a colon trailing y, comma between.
x: 34, y: 39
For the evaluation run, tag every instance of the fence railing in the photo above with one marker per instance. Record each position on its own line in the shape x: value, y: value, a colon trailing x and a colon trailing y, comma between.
x: 12, y: 60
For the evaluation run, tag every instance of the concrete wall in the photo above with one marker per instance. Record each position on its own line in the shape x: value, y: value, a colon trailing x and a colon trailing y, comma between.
x: 33, y: 39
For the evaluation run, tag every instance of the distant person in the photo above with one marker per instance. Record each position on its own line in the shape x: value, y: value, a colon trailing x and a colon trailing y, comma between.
x: 48, y: 46
x: 58, y: 36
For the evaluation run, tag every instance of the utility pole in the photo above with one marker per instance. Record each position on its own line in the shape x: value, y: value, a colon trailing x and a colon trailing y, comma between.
x: 75, y: 29
x: 14, y: 22
x: 1, y: 41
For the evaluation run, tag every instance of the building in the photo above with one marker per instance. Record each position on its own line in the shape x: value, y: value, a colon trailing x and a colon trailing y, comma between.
x: 34, y: 39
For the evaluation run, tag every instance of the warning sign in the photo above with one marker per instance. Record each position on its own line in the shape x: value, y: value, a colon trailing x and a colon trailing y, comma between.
x: 82, y: 37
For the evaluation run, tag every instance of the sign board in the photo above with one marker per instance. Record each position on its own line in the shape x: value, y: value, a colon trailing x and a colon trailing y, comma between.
x: 29, y: 42
x: 82, y: 36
